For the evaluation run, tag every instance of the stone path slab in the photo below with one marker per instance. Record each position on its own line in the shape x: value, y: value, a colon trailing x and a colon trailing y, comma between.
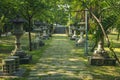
x: 59, y: 62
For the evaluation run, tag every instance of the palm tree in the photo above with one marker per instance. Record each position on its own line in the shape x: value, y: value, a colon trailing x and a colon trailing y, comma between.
x: 114, y: 5
x: 97, y: 11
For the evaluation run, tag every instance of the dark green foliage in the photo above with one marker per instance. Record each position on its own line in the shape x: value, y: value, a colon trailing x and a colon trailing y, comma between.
x: 109, y: 21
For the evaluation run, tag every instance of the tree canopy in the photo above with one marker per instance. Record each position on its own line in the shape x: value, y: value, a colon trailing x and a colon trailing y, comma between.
x: 57, y: 11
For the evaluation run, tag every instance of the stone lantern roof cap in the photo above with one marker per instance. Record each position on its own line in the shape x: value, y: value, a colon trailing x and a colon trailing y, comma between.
x: 18, y: 20
x: 38, y: 23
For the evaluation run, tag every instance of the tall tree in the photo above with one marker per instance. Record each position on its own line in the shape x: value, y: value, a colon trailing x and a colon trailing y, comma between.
x: 28, y: 9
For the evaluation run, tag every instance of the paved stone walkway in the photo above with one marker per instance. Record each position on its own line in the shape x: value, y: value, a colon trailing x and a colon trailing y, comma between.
x: 60, y: 63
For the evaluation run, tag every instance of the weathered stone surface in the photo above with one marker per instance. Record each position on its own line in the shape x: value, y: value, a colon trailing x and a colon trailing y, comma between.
x: 99, y: 61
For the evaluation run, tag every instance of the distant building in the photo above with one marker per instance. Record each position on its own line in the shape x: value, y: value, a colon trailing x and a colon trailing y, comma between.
x: 59, y: 29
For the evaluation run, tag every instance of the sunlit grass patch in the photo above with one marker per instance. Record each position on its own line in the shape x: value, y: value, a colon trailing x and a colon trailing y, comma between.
x: 104, y: 72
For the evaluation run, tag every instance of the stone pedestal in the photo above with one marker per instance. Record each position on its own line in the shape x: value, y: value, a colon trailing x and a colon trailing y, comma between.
x: 24, y: 58
x: 8, y: 66
x: 16, y: 58
x: 41, y: 43
x: 100, y: 61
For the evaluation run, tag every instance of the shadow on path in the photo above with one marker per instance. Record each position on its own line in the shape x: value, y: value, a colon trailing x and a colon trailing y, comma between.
x: 59, y: 62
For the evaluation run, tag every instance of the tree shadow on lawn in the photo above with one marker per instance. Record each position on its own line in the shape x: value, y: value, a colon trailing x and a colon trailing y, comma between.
x: 99, y: 72
x: 105, y: 77
x: 104, y: 72
x: 61, y: 69
x: 58, y: 77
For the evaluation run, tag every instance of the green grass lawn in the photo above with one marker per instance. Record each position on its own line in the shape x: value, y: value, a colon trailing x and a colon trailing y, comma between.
x: 98, y: 72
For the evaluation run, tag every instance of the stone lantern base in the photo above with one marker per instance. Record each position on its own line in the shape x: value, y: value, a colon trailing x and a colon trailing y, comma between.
x: 41, y: 43
x: 25, y: 60
x: 45, y: 37
x: 37, y: 43
x: 49, y: 34
x: 101, y: 58
x: 80, y: 42
x: 100, y: 61
x: 23, y: 57
x: 74, y: 37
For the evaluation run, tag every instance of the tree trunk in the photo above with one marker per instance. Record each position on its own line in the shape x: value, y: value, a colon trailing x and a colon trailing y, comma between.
x: 29, y: 34
x: 0, y: 34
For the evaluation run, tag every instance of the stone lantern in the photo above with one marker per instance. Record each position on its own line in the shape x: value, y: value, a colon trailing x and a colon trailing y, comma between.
x: 49, y: 30
x: 74, y: 36
x: 38, y: 30
x: 18, y: 32
x: 45, y: 28
x: 81, y: 40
